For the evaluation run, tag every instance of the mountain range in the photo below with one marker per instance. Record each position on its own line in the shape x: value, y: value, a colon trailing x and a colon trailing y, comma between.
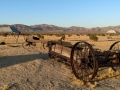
x: 44, y: 28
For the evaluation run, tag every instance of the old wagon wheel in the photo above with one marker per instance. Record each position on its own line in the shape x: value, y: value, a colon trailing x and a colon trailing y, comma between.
x: 83, y: 61
x: 115, y: 47
x: 28, y: 45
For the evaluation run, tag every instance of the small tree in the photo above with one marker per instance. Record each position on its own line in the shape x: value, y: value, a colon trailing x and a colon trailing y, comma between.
x: 93, y: 37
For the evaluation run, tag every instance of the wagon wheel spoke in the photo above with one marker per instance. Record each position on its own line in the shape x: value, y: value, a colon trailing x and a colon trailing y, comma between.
x: 84, y: 51
x: 84, y: 70
x: 83, y: 61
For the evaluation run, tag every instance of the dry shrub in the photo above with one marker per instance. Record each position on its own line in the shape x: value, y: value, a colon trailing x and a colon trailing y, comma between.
x: 93, y: 37
x: 40, y: 36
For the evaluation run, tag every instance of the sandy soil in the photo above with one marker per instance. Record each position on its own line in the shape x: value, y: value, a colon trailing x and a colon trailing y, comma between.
x: 24, y: 69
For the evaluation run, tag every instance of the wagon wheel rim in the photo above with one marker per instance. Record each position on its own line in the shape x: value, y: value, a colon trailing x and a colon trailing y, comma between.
x: 83, y: 61
x: 28, y: 46
x: 115, y: 46
x: 25, y: 45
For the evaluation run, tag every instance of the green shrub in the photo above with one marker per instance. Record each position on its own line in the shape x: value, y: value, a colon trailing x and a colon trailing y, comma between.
x: 93, y: 37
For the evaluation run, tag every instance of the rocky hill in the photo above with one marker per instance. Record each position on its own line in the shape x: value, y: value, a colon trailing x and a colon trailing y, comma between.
x: 53, y: 28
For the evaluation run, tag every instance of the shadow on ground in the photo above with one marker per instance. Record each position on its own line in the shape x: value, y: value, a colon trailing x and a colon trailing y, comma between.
x: 6, y: 61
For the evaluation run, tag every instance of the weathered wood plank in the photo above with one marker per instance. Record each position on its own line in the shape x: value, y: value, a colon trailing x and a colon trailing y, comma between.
x: 62, y: 50
x: 63, y: 43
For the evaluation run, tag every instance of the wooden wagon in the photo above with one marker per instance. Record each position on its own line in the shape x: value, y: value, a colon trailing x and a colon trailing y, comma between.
x: 84, y: 59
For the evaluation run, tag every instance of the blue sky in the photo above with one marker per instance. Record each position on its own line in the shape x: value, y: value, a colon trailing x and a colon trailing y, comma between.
x: 65, y: 13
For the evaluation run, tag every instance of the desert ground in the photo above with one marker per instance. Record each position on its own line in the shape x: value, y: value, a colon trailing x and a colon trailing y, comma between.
x: 31, y: 69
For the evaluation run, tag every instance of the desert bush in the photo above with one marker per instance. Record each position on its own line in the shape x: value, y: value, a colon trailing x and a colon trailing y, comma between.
x: 2, y: 43
x: 93, y: 37
x: 60, y: 35
x: 102, y: 34
x: 40, y: 36
x: 69, y: 35
x: 63, y: 37
x: 50, y: 34
x: 77, y: 34
x: 82, y: 34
